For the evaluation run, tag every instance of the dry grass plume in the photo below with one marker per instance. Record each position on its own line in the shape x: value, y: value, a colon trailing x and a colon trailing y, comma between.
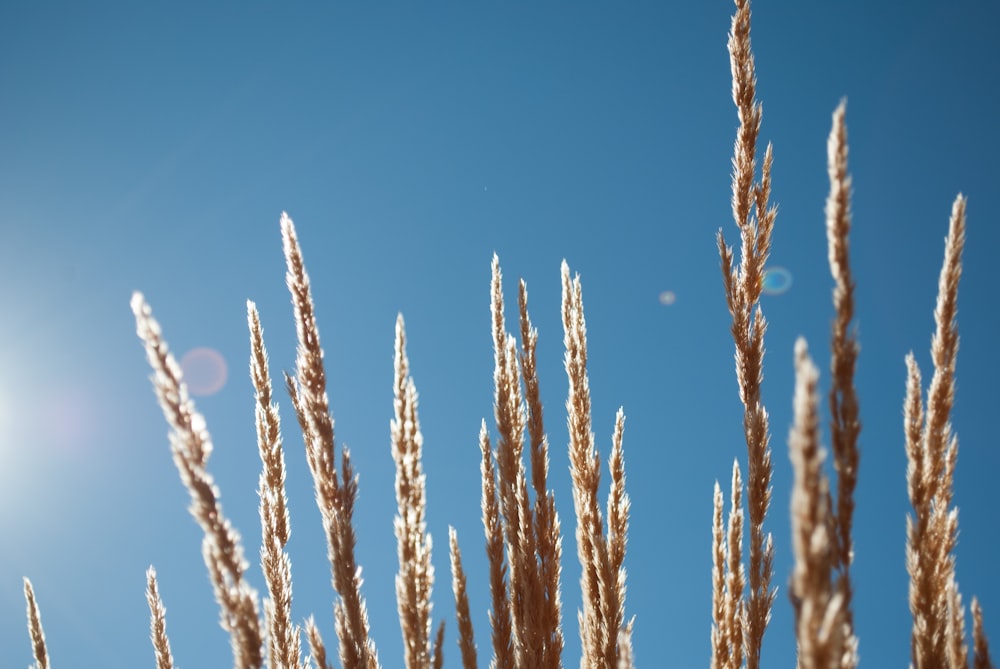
x: 523, y: 539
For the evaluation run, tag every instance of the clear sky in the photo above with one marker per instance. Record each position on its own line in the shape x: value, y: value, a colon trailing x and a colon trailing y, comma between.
x: 152, y: 146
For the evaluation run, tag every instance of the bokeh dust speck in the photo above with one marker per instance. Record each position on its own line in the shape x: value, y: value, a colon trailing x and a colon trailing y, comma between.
x: 667, y: 298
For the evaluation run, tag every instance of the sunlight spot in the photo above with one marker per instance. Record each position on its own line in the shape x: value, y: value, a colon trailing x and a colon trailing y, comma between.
x: 204, y: 371
x: 6, y: 418
x: 69, y: 419
x: 776, y: 280
x: 667, y: 298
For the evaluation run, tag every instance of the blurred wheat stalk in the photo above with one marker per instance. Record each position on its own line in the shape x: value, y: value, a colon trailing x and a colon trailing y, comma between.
x: 523, y: 538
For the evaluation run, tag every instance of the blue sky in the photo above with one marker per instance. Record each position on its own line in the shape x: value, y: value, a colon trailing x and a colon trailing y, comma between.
x: 152, y: 146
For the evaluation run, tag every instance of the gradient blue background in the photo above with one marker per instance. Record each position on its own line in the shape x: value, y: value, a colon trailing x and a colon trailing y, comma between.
x: 152, y: 146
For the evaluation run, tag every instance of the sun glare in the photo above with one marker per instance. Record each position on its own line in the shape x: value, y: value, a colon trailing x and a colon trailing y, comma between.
x: 11, y: 461
x: 6, y: 416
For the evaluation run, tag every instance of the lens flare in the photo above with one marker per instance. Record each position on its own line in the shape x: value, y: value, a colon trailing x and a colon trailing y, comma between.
x: 204, y: 371
x: 667, y: 298
x: 776, y: 280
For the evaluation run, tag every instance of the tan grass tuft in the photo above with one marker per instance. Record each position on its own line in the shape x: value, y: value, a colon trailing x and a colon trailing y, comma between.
x: 438, y: 662
x: 466, y: 636
x: 335, y: 495
x: 819, y: 609
x: 158, y: 623
x: 35, y: 630
x: 191, y: 446
x: 548, y: 541
x: 938, y: 633
x: 511, y: 419
x: 625, y: 659
x: 981, y: 646
x: 317, y: 649
x: 284, y: 641
x: 601, y: 582
x: 845, y: 424
x: 720, y: 631
x: 531, y: 531
x: 619, y: 506
x: 743, y: 284
x: 503, y: 650
x: 728, y: 578
x: 522, y: 538
x: 416, y: 574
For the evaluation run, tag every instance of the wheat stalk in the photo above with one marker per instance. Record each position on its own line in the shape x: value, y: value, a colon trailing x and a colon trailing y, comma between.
x: 35, y: 630
x: 845, y: 424
x: 981, y: 647
x: 618, y: 506
x: 720, y: 635
x: 416, y: 574
x: 191, y: 447
x: 755, y: 219
x: 509, y: 411
x: 821, y: 588
x: 335, y: 494
x: 548, y: 541
x: 466, y: 636
x: 938, y: 636
x: 819, y: 609
x: 522, y: 539
x: 625, y: 658
x: 317, y: 648
x: 728, y: 577
x: 158, y: 623
x: 602, y: 580
x: 931, y: 451
x: 503, y: 650
x: 283, y: 637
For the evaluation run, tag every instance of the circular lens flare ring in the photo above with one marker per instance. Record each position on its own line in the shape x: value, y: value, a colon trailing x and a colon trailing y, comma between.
x: 205, y: 371
x: 776, y: 280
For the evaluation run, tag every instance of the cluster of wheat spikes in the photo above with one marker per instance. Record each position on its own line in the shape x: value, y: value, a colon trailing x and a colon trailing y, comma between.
x: 523, y: 540
x: 820, y: 587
